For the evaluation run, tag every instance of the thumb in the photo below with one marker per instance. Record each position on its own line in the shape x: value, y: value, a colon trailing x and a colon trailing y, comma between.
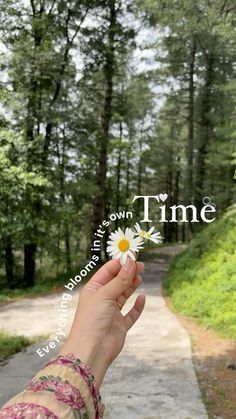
x: 119, y: 283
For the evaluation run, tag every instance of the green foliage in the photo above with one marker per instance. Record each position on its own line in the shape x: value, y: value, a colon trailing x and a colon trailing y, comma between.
x: 202, y: 280
x: 87, y: 123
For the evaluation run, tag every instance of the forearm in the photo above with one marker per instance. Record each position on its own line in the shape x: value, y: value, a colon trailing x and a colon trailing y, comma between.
x: 62, y: 388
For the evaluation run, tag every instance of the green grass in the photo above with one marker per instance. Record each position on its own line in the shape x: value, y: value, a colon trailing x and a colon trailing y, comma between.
x: 11, y: 344
x: 202, y: 280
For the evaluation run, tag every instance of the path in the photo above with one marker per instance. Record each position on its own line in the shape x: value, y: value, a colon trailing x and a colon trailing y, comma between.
x: 152, y: 379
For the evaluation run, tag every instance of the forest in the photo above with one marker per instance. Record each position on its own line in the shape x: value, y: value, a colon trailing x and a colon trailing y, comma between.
x: 102, y: 100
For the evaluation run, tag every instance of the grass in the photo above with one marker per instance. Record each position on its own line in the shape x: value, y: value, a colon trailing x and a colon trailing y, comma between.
x: 11, y: 344
x: 42, y: 286
x: 202, y: 280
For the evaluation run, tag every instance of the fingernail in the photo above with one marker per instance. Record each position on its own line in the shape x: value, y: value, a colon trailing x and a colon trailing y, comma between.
x: 141, y: 267
x: 140, y: 279
x: 128, y: 266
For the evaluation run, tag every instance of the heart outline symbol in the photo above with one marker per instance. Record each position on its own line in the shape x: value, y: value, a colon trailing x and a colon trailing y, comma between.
x: 163, y: 197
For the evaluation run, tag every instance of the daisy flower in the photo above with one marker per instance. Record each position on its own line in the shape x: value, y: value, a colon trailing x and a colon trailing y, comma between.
x: 148, y: 235
x: 123, y: 244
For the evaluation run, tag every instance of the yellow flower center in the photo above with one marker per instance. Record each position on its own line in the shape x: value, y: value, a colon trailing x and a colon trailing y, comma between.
x: 144, y: 234
x: 123, y: 245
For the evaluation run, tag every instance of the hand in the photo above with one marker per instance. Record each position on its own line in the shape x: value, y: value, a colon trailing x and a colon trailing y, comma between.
x: 99, y: 329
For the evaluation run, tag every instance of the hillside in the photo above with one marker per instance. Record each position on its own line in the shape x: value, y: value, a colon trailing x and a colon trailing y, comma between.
x: 202, y: 280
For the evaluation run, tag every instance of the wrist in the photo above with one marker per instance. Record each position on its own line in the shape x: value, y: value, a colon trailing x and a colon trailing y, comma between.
x: 81, y: 350
x: 89, y: 354
x: 99, y: 367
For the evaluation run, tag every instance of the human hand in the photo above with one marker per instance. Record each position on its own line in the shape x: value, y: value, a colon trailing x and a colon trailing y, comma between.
x: 99, y: 329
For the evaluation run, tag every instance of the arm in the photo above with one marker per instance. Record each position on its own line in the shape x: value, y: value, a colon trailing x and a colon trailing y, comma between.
x: 65, y: 387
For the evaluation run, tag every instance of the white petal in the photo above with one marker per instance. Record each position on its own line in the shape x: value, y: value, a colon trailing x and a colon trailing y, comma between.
x: 153, y: 240
x: 112, y: 236
x: 114, y: 252
x: 135, y: 248
x: 156, y: 240
x: 137, y: 240
x: 137, y: 226
x: 123, y: 258
x: 156, y: 234
x: 129, y: 233
x: 131, y: 255
x: 111, y: 247
x: 113, y: 233
x: 151, y: 230
x: 121, y: 233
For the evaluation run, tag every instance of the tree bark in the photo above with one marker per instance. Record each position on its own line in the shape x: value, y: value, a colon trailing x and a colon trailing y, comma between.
x: 98, y: 206
x: 118, y: 175
x: 29, y: 264
x: 69, y: 44
x: 67, y: 247
x: 127, y: 186
x: 9, y: 263
x: 139, y: 180
x: 205, y: 131
x: 176, y: 195
x: 30, y: 248
x: 190, y: 137
x: 61, y: 163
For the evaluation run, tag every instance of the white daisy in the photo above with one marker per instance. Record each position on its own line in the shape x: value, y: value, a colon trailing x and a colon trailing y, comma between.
x: 123, y: 244
x: 148, y: 235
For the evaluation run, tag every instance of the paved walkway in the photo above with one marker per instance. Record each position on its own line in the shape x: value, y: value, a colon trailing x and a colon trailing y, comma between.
x: 153, y: 378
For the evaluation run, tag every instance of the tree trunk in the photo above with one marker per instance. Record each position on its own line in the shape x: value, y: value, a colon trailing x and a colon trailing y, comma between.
x: 30, y: 248
x: 170, y: 227
x: 118, y: 175
x: 61, y: 164
x: 107, y: 207
x: 190, y: 137
x: 9, y: 263
x: 127, y: 186
x: 29, y: 264
x: 63, y: 65
x: 98, y: 207
x: 205, y: 131
x: 67, y: 247
x: 176, y: 195
x: 139, y: 180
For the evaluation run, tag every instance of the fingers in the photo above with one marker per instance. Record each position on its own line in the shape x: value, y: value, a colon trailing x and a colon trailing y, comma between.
x: 140, y: 267
x: 132, y: 316
x: 107, y: 272
x: 113, y: 289
x: 137, y: 281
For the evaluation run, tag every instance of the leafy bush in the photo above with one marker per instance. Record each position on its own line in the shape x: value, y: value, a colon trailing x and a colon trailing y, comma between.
x: 202, y: 280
